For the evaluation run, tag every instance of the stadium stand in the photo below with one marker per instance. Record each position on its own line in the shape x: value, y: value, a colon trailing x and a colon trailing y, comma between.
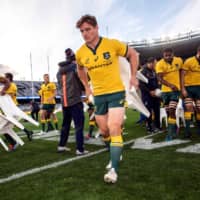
x: 184, y: 46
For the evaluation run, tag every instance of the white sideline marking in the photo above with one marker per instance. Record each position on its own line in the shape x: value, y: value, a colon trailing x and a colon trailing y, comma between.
x: 190, y: 149
x: 55, y: 164
x: 148, y: 145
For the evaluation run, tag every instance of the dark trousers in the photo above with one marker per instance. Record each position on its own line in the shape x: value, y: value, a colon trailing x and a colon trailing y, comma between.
x: 153, y: 105
x: 34, y: 114
x: 76, y: 113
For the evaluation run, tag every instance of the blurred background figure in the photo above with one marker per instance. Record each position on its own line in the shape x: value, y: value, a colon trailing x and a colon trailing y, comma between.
x: 149, y: 96
x: 48, y: 94
x: 35, y: 109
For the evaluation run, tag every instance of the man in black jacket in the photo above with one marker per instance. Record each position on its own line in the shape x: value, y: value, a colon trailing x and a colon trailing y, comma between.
x: 149, y: 96
x: 72, y: 106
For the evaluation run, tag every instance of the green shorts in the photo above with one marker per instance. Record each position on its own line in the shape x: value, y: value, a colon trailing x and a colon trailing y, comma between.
x: 106, y: 101
x: 170, y: 96
x: 193, y: 91
x: 48, y: 107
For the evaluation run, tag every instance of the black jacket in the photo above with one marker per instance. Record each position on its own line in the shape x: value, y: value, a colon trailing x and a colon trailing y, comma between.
x: 152, y: 81
x: 69, y: 84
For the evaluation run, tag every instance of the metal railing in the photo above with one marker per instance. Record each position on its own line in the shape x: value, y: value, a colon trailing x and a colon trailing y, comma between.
x: 165, y: 40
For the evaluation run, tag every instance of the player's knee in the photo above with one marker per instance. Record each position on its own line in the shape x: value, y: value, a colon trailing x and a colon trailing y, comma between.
x: 115, y: 128
x: 198, y: 106
x: 172, y: 108
x: 188, y: 104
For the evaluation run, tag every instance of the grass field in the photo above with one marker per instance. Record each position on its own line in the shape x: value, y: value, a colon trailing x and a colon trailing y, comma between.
x: 144, y: 174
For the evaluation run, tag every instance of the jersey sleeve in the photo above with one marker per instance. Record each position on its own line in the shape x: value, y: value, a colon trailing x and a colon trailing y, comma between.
x: 78, y: 59
x: 40, y: 92
x: 159, y: 68
x: 186, y: 65
x: 120, y: 47
x: 53, y: 86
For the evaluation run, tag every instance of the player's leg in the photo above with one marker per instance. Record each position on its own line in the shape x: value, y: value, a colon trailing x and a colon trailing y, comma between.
x: 64, y: 133
x: 198, y: 115
x: 188, y: 104
x: 78, y: 118
x: 116, y: 113
x: 101, y: 117
x: 42, y: 119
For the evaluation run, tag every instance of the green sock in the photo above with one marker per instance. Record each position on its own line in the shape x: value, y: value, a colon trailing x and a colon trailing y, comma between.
x: 43, y: 127
x: 172, y: 130
x: 115, y: 153
x: 187, y: 127
x: 56, y: 125
x: 198, y: 127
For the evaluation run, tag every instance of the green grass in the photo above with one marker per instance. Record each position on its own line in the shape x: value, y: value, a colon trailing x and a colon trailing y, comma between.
x: 144, y: 175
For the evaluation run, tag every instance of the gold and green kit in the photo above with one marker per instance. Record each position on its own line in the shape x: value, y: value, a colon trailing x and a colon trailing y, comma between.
x: 170, y: 71
x: 102, y: 64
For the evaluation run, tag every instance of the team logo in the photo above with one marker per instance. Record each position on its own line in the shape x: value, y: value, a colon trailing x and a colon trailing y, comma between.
x: 106, y: 55
x: 96, y: 58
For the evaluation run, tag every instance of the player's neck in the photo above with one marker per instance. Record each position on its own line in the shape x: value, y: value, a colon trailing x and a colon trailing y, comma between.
x: 94, y: 42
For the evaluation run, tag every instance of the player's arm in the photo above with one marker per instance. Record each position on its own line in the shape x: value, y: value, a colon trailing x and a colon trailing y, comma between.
x: 41, y: 96
x: 182, y: 82
x: 6, y: 85
x: 53, y: 95
x: 132, y: 57
x: 166, y: 83
x: 82, y: 73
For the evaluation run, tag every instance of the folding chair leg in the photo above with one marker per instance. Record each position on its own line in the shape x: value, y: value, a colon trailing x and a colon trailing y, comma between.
x: 15, y: 137
x: 4, y: 145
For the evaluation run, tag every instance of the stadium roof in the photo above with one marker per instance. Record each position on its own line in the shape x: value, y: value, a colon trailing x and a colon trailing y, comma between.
x: 184, y: 45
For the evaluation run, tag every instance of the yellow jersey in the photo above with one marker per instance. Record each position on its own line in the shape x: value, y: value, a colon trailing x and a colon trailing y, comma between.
x: 170, y: 72
x: 12, y: 91
x: 47, y: 91
x: 103, y: 65
x: 192, y: 71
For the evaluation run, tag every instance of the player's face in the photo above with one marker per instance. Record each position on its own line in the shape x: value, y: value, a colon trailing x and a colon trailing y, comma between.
x: 46, y: 78
x: 89, y: 32
x: 168, y: 56
x: 152, y: 65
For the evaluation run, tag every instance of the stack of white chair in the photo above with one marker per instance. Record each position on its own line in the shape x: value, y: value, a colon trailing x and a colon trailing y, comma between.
x: 132, y: 97
x: 180, y: 113
x: 10, y: 118
x: 163, y: 117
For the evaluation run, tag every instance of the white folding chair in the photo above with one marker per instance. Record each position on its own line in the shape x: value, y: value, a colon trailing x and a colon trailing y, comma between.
x: 163, y: 116
x: 132, y: 97
x: 10, y: 118
x: 180, y: 113
x: 6, y: 127
x: 136, y: 102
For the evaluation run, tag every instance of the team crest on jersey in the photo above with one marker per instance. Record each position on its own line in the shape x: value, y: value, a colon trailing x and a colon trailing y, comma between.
x: 106, y: 55
x: 87, y: 61
x: 96, y: 58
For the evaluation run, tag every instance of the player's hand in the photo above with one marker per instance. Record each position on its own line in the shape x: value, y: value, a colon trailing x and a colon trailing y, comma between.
x: 88, y: 92
x: 134, y: 82
x: 173, y: 87
x: 153, y: 93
